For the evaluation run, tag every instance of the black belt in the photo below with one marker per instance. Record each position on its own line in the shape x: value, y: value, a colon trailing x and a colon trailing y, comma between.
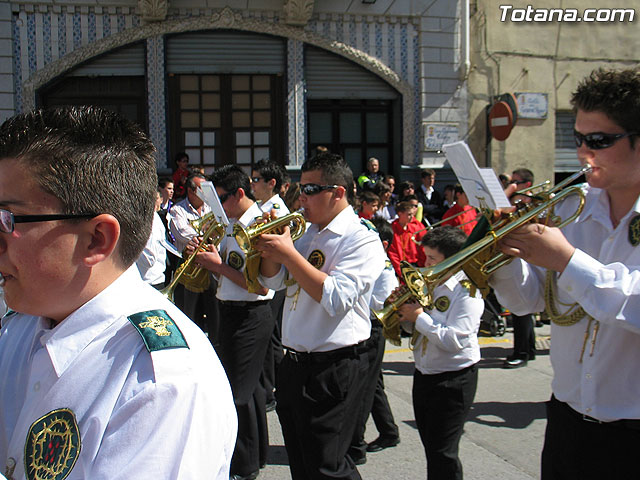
x: 329, y: 356
x: 233, y: 303
x: 630, y: 424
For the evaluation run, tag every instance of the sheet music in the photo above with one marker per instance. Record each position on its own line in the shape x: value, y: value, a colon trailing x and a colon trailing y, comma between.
x: 208, y: 195
x: 482, y: 186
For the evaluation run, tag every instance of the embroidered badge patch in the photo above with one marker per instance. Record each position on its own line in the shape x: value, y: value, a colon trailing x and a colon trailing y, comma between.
x: 52, y: 446
x: 235, y: 260
x: 388, y: 265
x: 316, y: 258
x: 158, y: 330
x: 442, y: 303
x: 634, y: 231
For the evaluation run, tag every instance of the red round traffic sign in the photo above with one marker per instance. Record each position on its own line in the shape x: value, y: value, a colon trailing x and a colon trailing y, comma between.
x: 500, y: 120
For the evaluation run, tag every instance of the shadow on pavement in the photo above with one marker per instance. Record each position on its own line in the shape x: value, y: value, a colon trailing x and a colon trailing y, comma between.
x: 493, y: 357
x: 517, y: 415
x: 398, y: 368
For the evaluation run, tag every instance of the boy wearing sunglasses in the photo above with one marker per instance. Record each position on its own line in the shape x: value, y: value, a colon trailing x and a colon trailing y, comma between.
x: 98, y: 370
x: 587, y: 276
x: 329, y: 276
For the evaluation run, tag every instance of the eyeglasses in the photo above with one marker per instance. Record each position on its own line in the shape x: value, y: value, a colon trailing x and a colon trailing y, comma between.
x: 225, y: 196
x: 599, y: 140
x: 314, y: 188
x: 8, y: 220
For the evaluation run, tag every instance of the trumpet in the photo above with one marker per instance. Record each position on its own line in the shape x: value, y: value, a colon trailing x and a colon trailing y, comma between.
x: 246, y: 238
x: 192, y: 276
x: 480, y: 259
x: 388, y: 316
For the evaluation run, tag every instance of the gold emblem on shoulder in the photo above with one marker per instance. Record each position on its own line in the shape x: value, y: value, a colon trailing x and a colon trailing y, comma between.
x: 634, y: 231
x: 158, y: 324
x: 52, y: 446
x: 442, y: 303
x: 235, y: 260
x: 316, y: 258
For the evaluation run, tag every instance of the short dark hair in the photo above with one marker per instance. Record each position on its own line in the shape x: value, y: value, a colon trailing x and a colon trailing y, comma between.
x: 270, y: 170
x: 164, y: 181
x: 180, y: 156
x: 231, y: 178
x: 335, y: 171
x: 447, y: 240
x: 368, y: 197
x: 525, y: 173
x: 616, y: 93
x: 404, y: 185
x: 190, y: 184
x: 427, y: 172
x: 457, y: 188
x: 381, y: 187
x: 384, y: 229
x: 93, y: 161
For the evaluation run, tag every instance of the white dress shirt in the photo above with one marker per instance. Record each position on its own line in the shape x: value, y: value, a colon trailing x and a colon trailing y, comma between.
x: 153, y: 259
x: 276, y: 203
x: 230, y: 253
x: 168, y: 414
x: 451, y: 334
x: 385, y: 284
x: 179, y: 216
x: 603, y: 276
x: 353, y: 258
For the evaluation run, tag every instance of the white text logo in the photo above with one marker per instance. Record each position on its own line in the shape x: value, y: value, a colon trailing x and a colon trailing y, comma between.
x: 531, y: 14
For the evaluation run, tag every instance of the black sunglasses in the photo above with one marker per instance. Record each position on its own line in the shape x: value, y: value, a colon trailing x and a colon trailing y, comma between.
x: 225, y: 196
x: 314, y: 188
x: 599, y: 140
x: 256, y: 179
x: 8, y: 220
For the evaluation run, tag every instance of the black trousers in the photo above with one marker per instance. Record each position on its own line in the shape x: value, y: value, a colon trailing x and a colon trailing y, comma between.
x: 244, y: 335
x: 319, y: 397
x: 579, y: 449
x: 524, y: 337
x: 441, y: 404
x: 374, y: 399
x: 197, y: 306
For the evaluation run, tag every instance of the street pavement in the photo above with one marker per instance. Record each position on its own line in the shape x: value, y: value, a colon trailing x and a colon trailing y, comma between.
x: 503, y: 435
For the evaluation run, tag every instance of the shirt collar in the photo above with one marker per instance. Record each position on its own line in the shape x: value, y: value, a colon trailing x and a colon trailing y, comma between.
x: 250, y: 214
x: 74, y: 333
x: 342, y: 221
x: 598, y: 208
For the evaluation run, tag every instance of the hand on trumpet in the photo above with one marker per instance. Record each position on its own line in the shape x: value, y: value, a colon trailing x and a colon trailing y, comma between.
x: 409, y: 311
x: 276, y: 247
x: 539, y: 244
x: 208, y: 258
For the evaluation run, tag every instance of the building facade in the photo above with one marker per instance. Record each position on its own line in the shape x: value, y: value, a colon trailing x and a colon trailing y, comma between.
x: 238, y: 81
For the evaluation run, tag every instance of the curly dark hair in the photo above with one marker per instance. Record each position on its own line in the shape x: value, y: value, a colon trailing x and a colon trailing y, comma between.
x: 615, y: 93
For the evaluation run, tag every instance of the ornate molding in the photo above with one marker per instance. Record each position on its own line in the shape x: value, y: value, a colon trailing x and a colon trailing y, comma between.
x: 226, y: 18
x: 153, y: 10
x: 297, y: 12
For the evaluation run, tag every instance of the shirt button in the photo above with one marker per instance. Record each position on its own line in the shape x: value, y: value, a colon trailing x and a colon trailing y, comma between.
x: 588, y: 376
x: 588, y: 410
x: 36, y: 386
x: 569, y: 289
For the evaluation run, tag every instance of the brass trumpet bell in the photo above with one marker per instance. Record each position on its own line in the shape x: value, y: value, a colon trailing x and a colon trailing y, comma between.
x: 193, y: 277
x: 246, y: 238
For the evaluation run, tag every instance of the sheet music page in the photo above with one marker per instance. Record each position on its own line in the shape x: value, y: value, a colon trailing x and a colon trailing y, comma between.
x: 482, y: 187
x: 208, y: 194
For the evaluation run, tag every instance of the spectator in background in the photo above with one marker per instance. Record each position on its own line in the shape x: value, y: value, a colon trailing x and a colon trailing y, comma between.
x: 165, y: 186
x: 152, y: 262
x: 386, y: 210
x: 369, y: 204
x: 391, y: 181
x: 368, y: 179
x: 505, y: 180
x: 403, y: 246
x: 429, y: 198
x: 406, y: 190
x: 180, y: 176
x: 463, y: 215
x: 449, y: 197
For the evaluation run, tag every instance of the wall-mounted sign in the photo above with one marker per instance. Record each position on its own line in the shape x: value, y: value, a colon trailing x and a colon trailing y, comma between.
x: 437, y: 134
x: 532, y: 105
